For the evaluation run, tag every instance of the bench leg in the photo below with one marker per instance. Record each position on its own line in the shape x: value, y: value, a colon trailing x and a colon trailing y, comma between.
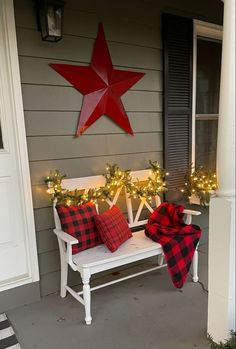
x: 87, y: 298
x: 160, y: 259
x: 64, y: 276
x: 195, y: 266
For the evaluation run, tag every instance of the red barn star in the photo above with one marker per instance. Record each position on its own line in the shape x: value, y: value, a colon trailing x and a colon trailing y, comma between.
x: 101, y: 85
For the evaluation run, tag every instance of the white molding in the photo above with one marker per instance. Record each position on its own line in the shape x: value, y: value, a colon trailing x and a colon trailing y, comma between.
x: 208, y: 31
x: 15, y: 97
x: 194, y: 92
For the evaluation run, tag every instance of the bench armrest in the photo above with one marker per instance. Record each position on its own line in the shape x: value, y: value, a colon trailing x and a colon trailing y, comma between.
x: 189, y: 214
x: 66, y: 250
x: 192, y: 212
x: 66, y: 237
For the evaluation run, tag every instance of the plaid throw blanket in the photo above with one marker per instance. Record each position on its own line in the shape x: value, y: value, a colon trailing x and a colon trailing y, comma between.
x: 178, y: 240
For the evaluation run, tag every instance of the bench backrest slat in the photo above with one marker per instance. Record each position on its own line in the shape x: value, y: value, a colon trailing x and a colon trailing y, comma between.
x: 84, y: 183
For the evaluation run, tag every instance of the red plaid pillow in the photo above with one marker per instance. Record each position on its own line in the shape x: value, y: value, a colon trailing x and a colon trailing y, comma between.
x: 78, y: 221
x: 113, y: 228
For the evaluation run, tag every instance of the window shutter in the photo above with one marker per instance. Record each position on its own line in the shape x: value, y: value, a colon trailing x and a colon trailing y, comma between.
x: 177, y: 69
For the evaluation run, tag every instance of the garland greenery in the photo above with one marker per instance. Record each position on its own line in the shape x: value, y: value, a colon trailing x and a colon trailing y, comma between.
x: 115, y: 178
x: 201, y: 182
x: 228, y: 344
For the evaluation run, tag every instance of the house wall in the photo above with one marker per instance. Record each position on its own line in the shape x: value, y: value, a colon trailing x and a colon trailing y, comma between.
x: 51, y: 105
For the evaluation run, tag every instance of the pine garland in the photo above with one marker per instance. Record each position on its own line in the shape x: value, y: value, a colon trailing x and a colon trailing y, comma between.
x: 201, y: 182
x: 115, y: 178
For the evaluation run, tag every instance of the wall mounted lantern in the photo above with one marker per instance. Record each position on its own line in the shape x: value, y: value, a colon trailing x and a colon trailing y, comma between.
x: 50, y: 19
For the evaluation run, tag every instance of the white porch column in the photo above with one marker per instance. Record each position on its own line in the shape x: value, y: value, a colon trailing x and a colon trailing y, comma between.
x: 221, y: 302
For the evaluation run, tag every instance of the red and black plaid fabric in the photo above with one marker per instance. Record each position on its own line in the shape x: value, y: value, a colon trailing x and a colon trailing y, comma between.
x: 113, y: 228
x: 178, y: 240
x: 78, y: 221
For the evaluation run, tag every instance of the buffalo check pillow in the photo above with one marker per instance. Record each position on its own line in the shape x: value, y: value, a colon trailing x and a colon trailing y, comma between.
x: 78, y: 221
x: 113, y: 228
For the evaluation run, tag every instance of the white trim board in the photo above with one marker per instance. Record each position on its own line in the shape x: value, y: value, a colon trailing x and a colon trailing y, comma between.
x: 208, y: 30
x: 12, y: 86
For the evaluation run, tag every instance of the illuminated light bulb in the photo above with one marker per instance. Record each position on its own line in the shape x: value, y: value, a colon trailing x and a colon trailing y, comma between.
x: 182, y: 190
x: 195, y: 178
x: 50, y: 191
x: 68, y: 202
x: 167, y: 173
x: 193, y: 190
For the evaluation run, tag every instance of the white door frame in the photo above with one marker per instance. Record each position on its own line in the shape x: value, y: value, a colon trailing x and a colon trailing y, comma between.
x: 13, y: 106
x: 206, y: 30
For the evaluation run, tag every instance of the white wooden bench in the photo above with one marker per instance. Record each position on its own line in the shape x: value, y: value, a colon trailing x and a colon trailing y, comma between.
x: 99, y: 258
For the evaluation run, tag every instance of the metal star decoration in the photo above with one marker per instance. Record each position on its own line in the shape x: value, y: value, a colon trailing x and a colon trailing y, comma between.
x: 101, y: 85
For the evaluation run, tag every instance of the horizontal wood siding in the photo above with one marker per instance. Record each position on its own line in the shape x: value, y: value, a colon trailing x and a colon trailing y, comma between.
x: 52, y: 105
x: 47, y: 123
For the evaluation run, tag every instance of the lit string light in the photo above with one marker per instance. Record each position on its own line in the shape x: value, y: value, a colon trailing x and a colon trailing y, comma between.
x: 200, y: 182
x: 115, y: 178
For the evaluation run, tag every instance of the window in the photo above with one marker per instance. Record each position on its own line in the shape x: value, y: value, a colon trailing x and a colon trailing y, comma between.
x: 206, y: 90
x: 207, y: 102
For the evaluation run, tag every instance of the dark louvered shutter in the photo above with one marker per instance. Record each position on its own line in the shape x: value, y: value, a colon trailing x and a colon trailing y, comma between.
x: 177, y: 59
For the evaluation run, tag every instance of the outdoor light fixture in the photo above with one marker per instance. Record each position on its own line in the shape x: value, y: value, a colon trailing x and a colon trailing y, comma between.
x: 50, y: 19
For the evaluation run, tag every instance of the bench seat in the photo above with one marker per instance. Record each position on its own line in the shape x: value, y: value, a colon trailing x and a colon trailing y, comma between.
x: 136, y: 248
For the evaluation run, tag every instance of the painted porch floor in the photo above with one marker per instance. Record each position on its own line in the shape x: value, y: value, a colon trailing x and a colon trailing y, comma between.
x: 142, y: 313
